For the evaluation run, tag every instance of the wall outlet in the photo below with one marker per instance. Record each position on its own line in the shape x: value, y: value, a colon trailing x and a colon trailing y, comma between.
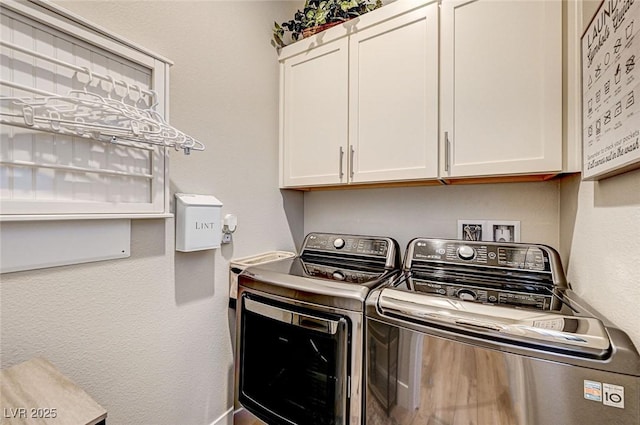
x: 488, y: 230
x: 503, y: 231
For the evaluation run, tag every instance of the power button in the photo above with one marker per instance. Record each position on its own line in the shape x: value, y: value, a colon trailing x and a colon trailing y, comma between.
x: 338, y: 243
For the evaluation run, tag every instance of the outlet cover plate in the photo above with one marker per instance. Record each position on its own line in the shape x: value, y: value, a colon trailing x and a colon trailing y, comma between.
x: 489, y: 230
x: 503, y: 231
x: 472, y: 229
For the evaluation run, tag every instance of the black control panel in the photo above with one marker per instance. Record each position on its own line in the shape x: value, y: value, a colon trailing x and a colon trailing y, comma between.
x: 485, y: 295
x: 508, y: 274
x: 347, y: 244
x: 535, y: 258
x: 339, y: 274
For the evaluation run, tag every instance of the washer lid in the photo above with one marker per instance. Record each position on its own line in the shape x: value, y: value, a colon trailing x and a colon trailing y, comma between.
x: 292, y: 279
x: 549, y: 331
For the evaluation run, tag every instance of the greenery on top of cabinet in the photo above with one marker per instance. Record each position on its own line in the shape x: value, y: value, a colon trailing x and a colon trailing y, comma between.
x: 318, y: 15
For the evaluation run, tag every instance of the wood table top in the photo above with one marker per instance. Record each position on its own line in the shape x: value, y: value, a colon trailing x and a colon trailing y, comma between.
x: 36, y: 393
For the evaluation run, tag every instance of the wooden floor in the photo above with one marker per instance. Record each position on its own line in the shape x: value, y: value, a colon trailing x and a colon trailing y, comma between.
x: 245, y: 418
x: 458, y: 385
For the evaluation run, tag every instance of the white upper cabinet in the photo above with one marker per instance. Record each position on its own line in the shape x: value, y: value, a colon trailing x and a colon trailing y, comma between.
x: 501, y: 87
x: 313, y: 115
x: 393, y: 99
x: 359, y: 102
x: 419, y: 91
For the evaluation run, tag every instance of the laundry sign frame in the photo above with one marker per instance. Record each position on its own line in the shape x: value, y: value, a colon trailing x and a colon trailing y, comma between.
x: 611, y: 90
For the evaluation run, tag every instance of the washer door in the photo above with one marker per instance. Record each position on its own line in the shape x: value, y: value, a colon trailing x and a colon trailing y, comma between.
x: 293, y: 363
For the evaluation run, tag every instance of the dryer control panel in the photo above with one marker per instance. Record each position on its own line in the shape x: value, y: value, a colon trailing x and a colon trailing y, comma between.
x: 347, y: 244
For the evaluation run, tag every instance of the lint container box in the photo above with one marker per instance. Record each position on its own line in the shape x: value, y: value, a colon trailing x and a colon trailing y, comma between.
x: 198, y: 223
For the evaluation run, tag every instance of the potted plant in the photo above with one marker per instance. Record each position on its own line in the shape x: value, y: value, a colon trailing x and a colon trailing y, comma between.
x: 319, y: 15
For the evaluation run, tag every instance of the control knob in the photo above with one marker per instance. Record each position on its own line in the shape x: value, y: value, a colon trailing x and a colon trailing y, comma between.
x: 338, y: 275
x: 467, y: 295
x: 338, y: 243
x: 465, y: 252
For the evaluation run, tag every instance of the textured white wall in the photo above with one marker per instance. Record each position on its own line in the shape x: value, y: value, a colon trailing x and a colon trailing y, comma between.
x: 600, y: 223
x: 148, y: 337
x: 433, y: 211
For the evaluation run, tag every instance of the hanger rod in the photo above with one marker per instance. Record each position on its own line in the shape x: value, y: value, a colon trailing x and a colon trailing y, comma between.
x: 26, y: 88
x: 70, y: 66
x: 75, y: 169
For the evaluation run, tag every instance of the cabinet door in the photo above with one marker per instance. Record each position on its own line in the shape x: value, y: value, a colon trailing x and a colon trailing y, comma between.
x: 501, y: 89
x: 314, y: 115
x: 393, y: 89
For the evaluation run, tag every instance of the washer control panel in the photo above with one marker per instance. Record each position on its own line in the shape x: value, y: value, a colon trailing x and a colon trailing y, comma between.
x: 347, y: 244
x: 536, y: 258
x: 515, y: 274
x: 484, y: 295
x: 340, y: 275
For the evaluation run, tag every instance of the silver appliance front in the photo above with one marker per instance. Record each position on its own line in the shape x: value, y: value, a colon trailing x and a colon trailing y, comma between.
x: 295, y: 363
x: 300, y: 328
x: 301, y: 362
x: 491, y: 334
x: 430, y: 375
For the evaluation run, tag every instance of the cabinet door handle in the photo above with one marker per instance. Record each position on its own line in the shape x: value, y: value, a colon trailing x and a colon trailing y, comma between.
x: 447, y: 148
x: 341, y: 161
x: 353, y: 151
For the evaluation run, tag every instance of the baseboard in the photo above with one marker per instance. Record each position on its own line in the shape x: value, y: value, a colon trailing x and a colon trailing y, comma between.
x: 225, y: 419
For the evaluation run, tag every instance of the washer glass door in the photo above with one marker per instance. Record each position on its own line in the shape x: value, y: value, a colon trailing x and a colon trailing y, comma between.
x: 293, y: 363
